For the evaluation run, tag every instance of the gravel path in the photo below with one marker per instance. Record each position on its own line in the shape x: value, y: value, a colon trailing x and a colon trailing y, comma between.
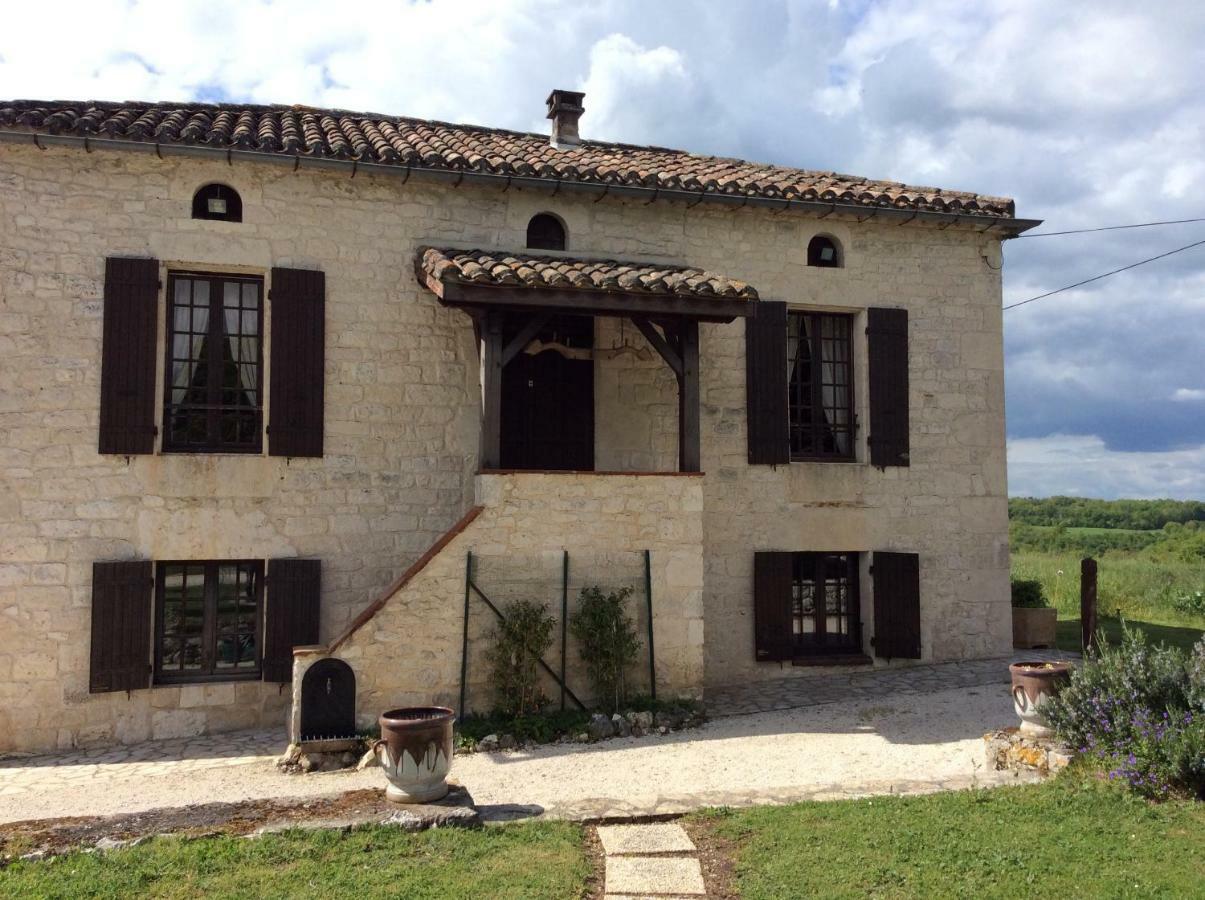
x: 896, y: 743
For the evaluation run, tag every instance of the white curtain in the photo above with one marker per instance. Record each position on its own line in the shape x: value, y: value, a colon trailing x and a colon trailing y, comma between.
x: 244, y: 349
x: 833, y: 396
x: 188, y: 347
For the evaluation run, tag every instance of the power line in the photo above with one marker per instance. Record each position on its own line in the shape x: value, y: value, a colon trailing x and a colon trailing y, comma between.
x: 1110, y: 228
x: 1142, y: 262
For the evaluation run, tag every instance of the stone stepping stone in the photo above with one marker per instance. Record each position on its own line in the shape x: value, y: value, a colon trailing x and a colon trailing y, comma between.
x: 645, y: 876
x: 644, y: 840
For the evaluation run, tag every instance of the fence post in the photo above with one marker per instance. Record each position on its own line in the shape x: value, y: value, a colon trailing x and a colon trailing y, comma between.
x: 648, y: 593
x: 464, y: 647
x: 564, y: 620
x: 1087, y: 603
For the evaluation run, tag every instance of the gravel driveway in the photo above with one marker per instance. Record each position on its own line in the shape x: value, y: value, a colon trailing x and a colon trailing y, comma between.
x: 896, y: 743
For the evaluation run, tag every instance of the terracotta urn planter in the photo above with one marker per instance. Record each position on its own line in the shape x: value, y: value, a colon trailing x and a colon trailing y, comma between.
x: 415, y: 750
x: 1034, y: 628
x: 1034, y: 683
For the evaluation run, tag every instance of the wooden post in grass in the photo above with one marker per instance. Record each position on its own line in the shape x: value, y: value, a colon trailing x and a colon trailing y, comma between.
x: 1087, y: 602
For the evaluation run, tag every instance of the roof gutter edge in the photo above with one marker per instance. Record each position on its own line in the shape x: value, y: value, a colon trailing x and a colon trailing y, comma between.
x: 1006, y: 226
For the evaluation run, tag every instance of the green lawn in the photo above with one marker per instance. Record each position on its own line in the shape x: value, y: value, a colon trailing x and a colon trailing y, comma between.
x: 1069, y: 637
x: 1067, y: 839
x: 1142, y: 590
x: 515, y: 861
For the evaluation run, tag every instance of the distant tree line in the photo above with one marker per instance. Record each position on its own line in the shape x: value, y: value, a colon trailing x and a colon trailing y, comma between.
x: 1083, y: 512
x: 1174, y: 541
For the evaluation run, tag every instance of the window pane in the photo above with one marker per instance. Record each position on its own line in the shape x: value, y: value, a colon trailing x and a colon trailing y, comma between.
x: 200, y: 638
x: 214, y: 366
x: 820, y: 394
x: 193, y: 658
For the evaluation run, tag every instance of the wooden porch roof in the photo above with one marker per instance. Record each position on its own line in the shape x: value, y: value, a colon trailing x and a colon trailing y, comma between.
x: 501, y: 280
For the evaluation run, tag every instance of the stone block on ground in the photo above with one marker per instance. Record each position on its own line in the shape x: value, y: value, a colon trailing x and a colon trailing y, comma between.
x: 1009, y: 750
x: 628, y: 840
x: 600, y: 727
x: 453, y: 811
x: 652, y: 875
x: 421, y: 816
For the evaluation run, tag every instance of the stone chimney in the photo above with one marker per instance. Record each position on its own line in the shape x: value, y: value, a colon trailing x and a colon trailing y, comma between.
x: 565, y: 108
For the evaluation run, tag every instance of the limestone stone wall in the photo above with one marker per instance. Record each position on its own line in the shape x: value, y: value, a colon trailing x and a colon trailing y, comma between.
x: 410, y: 652
x: 402, y: 413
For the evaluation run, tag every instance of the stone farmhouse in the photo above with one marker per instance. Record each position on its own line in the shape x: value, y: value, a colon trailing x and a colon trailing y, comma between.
x: 283, y: 384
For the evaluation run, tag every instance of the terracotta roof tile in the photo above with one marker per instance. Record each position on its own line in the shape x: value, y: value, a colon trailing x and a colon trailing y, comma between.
x: 492, y: 268
x: 396, y: 141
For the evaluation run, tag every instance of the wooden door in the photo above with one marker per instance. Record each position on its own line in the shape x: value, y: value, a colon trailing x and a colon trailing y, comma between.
x: 548, y: 402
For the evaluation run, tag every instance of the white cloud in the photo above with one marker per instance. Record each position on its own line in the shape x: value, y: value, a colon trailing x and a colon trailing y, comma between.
x: 1086, y: 114
x: 1081, y: 465
x: 1186, y: 395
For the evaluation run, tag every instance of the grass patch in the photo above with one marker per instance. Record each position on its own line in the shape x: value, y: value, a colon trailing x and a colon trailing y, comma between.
x: 534, y: 860
x: 1068, y: 635
x: 1136, y: 587
x: 1069, y: 838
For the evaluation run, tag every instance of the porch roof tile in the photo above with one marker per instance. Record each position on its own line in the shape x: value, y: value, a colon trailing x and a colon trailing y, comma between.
x: 494, y: 268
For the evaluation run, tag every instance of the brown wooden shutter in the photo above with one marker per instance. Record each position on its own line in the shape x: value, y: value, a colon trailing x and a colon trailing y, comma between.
x: 773, y: 637
x: 121, y: 626
x: 896, y: 605
x: 887, y: 349
x: 291, y: 613
x: 127, y: 363
x: 766, y: 384
x: 295, y: 391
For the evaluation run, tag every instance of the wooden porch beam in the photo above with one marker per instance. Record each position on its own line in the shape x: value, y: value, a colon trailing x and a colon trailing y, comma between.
x: 591, y: 303
x: 529, y: 330
x: 653, y: 336
x: 491, y: 391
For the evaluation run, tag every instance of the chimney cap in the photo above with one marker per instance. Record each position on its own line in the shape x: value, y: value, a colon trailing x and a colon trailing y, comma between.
x: 565, y: 101
x: 565, y: 108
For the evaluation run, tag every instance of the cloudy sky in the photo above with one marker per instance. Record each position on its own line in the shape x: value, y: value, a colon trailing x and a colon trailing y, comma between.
x: 1088, y: 113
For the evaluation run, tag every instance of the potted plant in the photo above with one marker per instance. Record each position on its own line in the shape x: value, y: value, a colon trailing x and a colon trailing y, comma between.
x: 1034, y: 620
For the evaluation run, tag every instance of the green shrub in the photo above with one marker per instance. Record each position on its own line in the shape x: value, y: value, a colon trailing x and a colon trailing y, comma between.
x: 1196, y: 676
x: 606, y: 639
x: 1028, y: 594
x: 1134, y: 710
x: 518, y: 643
x: 537, y: 728
x: 1190, y: 604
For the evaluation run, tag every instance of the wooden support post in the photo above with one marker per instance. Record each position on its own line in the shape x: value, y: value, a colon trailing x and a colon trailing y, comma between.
x: 689, y: 457
x: 1087, y: 603
x: 491, y: 392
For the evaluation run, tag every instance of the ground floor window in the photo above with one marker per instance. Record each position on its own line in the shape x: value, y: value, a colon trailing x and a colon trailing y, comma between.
x: 208, y: 620
x: 824, y: 603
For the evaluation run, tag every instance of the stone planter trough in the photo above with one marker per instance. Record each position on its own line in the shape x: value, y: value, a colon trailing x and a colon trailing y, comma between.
x: 1034, y: 628
x: 415, y: 751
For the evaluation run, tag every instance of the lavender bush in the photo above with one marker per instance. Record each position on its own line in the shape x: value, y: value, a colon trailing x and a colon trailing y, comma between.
x: 1138, y: 711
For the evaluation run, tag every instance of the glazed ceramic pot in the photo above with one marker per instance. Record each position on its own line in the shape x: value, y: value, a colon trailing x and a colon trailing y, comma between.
x: 415, y: 751
x: 1033, y: 684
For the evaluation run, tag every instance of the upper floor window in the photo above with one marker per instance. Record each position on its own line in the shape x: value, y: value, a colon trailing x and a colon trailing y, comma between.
x: 820, y: 385
x: 545, y: 232
x: 824, y: 252
x: 213, y: 383
x: 217, y: 201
